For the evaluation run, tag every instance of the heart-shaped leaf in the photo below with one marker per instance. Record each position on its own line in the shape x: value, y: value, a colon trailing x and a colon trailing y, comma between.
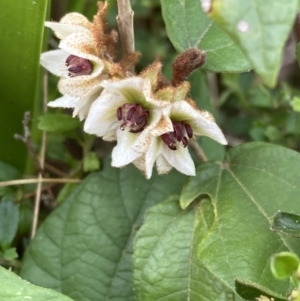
x: 188, y: 26
x: 182, y: 255
x: 260, y: 28
x: 84, y: 248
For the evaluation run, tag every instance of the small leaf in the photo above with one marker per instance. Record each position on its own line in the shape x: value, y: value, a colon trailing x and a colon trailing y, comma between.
x: 273, y: 134
x: 296, y: 104
x: 58, y: 123
x: 13, y: 288
x: 287, y: 223
x: 251, y: 291
x: 188, y: 26
x: 284, y: 265
x: 260, y: 29
x: 10, y: 254
x: 91, y: 162
x: 9, y: 219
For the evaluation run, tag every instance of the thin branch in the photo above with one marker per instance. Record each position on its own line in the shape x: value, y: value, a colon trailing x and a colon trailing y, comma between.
x: 55, y: 170
x: 125, y: 24
x: 26, y: 138
x: 36, y: 181
x: 197, y: 150
x: 213, y: 88
x: 41, y: 162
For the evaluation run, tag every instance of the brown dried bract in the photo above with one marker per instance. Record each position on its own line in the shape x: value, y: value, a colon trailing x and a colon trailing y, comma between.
x: 106, y: 43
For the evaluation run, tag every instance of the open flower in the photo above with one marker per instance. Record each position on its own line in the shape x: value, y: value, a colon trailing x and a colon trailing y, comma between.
x: 170, y: 149
x: 126, y: 111
x: 80, y: 62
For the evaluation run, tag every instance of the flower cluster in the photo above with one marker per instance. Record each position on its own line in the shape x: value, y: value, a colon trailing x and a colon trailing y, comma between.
x: 151, y: 119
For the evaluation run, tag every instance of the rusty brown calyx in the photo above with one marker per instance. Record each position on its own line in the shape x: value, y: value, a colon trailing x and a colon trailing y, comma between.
x: 186, y: 63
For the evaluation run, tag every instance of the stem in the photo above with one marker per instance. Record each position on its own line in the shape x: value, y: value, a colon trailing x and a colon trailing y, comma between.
x: 213, y: 88
x: 36, y: 181
x: 41, y: 161
x: 198, y: 150
x: 125, y: 24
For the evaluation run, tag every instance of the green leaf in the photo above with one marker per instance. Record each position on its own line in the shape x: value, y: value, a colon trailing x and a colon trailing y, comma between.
x: 287, y: 223
x: 188, y: 26
x: 58, y: 123
x: 296, y: 104
x: 250, y: 291
x: 84, y: 248
x: 13, y: 288
x: 259, y: 28
x: 91, y: 162
x: 22, y: 27
x: 166, y: 265
x: 284, y: 265
x: 7, y: 173
x: 65, y: 192
x: 255, y: 181
x: 10, y: 254
x: 9, y: 219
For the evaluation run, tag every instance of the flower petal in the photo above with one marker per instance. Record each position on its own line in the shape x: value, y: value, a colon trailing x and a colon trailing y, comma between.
x: 162, y: 165
x: 82, y: 44
x: 55, y: 62
x: 201, y: 122
x: 75, y: 19
x: 102, y: 115
x: 111, y: 135
x: 180, y: 159
x: 65, y: 101
x: 70, y: 23
x: 84, y: 104
x: 143, y: 140
x: 163, y: 126
x: 80, y: 85
x: 136, y: 90
x: 123, y: 153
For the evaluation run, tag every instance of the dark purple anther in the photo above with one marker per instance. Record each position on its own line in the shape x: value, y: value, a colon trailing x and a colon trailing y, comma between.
x: 134, y: 116
x: 78, y: 66
x: 188, y: 130
x: 180, y: 131
x: 119, y: 113
x: 131, y: 112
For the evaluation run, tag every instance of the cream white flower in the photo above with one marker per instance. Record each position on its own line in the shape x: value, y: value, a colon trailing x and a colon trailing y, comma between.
x: 127, y: 111
x: 170, y: 149
x: 77, y: 62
